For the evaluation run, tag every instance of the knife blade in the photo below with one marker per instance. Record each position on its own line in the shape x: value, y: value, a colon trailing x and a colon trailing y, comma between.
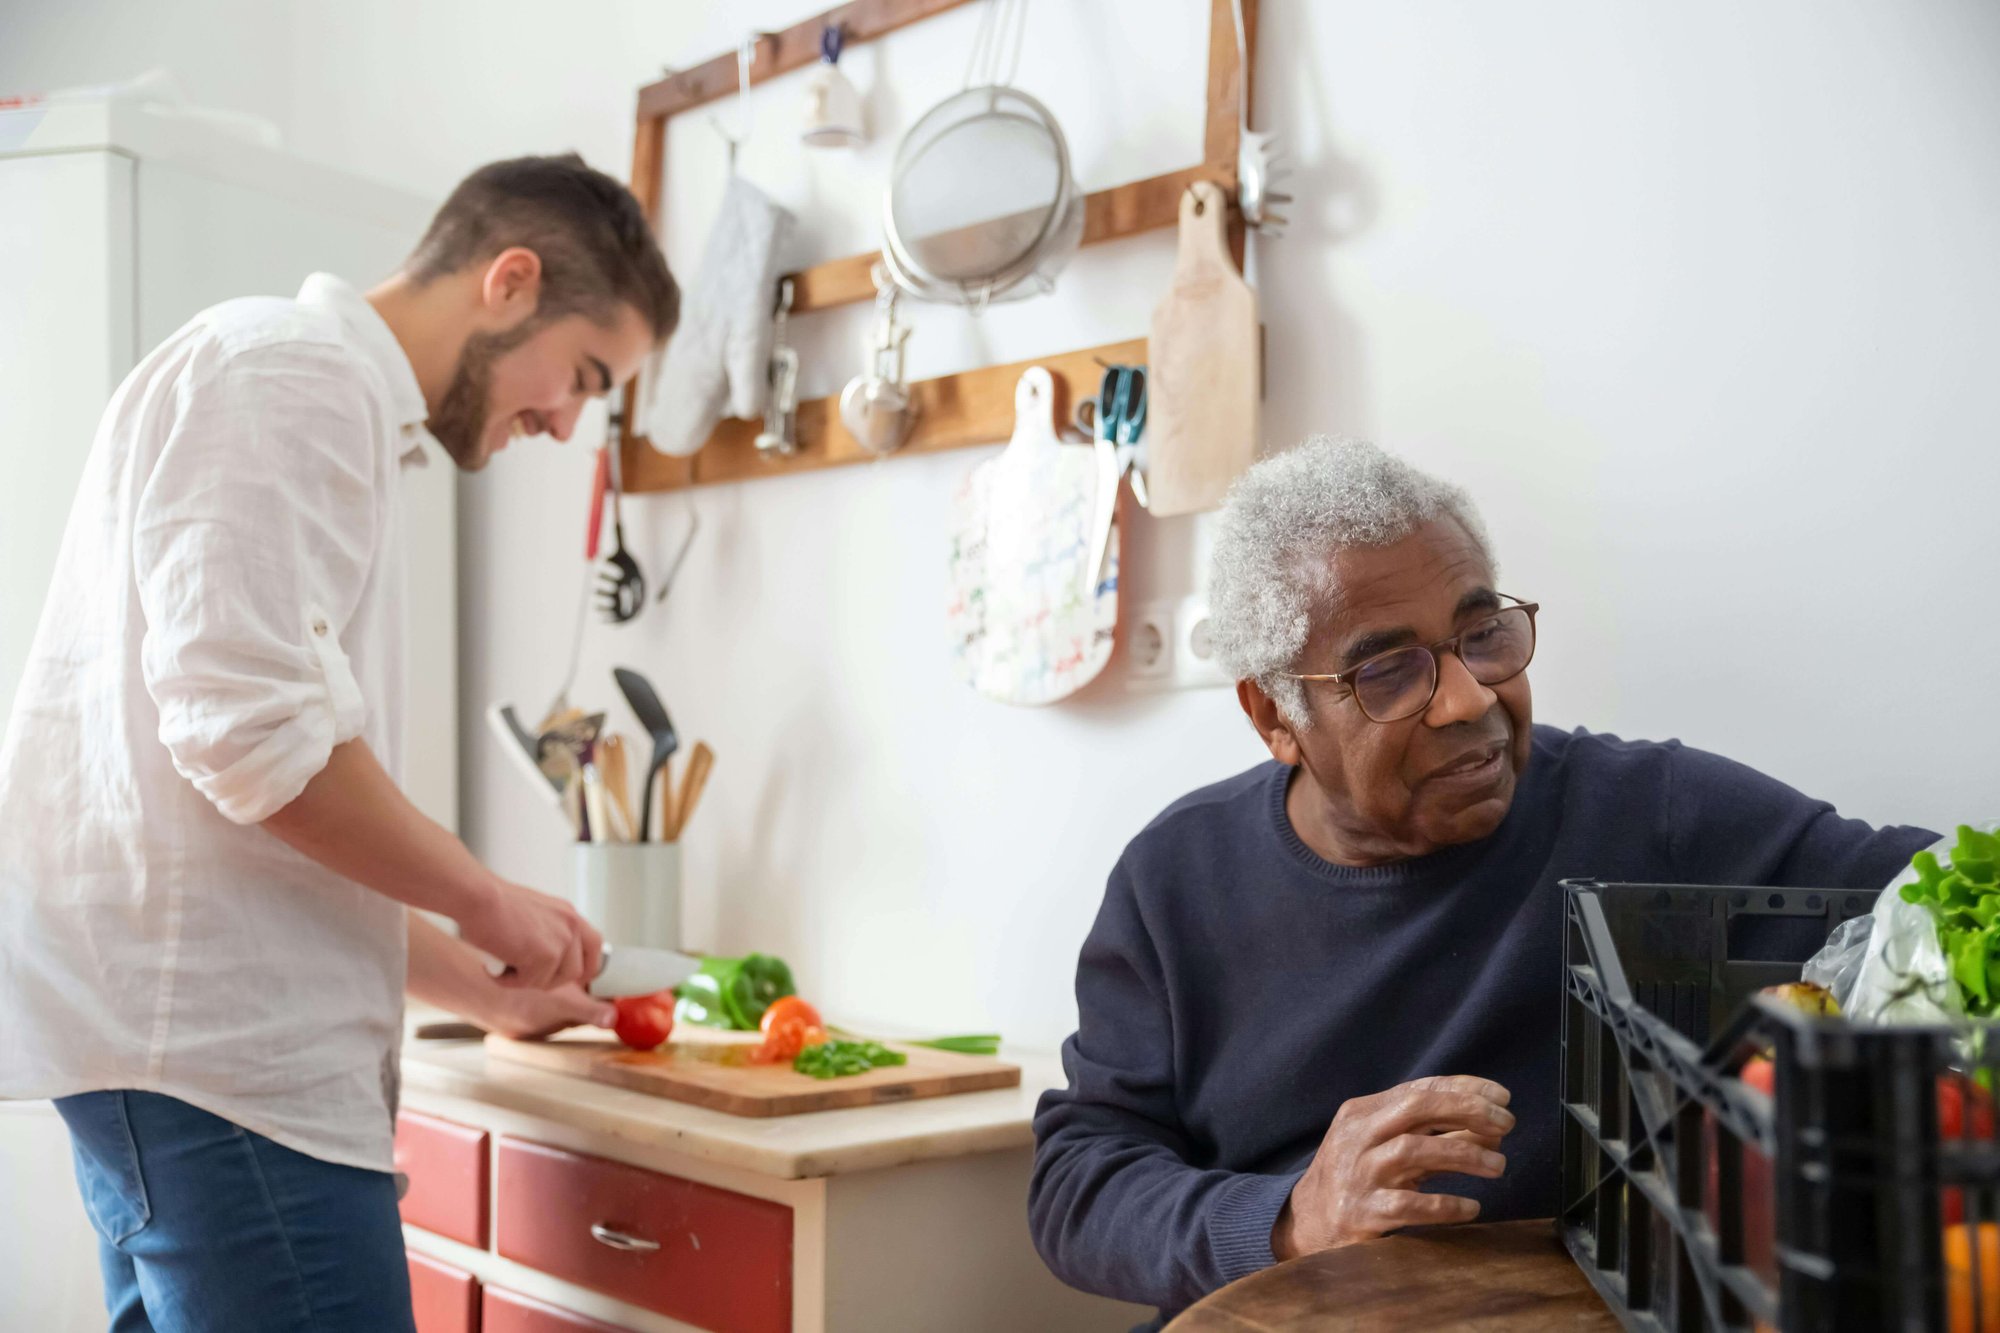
x: 629, y: 969
x: 632, y: 970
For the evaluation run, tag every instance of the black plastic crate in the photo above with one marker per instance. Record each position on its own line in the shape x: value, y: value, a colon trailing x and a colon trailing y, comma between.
x: 1693, y: 1201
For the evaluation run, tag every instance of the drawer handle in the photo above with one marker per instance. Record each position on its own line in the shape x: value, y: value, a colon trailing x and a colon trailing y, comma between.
x: 618, y: 1240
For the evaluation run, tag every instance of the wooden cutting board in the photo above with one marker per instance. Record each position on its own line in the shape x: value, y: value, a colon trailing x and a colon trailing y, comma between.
x: 708, y: 1069
x: 1203, y: 377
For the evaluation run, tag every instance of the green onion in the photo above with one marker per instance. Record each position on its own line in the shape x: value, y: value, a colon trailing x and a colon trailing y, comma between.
x: 982, y: 1043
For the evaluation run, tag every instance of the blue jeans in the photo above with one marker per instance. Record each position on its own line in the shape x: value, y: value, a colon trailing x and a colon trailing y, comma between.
x: 205, y: 1226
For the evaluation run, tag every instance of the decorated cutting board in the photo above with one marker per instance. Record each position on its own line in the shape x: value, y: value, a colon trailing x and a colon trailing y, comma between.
x: 711, y: 1069
x: 1203, y: 377
x: 1029, y: 622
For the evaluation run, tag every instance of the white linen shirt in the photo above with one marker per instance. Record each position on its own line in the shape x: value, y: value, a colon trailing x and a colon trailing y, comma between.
x: 227, y: 608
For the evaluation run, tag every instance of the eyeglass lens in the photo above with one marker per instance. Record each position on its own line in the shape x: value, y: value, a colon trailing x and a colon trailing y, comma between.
x: 1400, y: 684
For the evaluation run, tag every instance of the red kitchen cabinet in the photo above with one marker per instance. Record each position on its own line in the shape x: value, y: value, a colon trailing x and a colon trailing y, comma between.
x: 709, y: 1257
x: 446, y: 1164
x: 506, y: 1312
x: 445, y: 1299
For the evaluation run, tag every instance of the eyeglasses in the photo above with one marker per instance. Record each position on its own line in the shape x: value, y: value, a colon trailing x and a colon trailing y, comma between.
x: 1400, y: 683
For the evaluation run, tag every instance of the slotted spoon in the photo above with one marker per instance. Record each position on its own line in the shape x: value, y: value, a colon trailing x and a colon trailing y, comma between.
x: 621, y: 588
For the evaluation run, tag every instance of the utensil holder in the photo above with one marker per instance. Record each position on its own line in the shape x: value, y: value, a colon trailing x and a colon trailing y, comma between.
x: 630, y: 891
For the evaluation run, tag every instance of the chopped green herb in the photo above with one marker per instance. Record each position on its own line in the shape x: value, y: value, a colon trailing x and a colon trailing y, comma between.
x: 837, y: 1059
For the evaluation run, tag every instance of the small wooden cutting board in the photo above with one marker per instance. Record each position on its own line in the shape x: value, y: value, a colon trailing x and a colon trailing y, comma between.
x: 1203, y: 380
x: 710, y: 1069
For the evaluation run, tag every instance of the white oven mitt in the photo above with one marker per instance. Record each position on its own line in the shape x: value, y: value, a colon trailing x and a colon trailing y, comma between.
x: 717, y: 363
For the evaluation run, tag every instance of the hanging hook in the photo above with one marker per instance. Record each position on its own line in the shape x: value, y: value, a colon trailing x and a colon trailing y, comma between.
x: 746, y: 52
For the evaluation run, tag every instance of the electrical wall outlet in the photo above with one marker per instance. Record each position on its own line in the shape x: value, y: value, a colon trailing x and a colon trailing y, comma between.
x: 1195, y: 667
x: 1149, y: 646
x: 1167, y: 647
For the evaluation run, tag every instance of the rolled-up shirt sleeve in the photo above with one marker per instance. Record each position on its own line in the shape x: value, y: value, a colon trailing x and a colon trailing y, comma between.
x: 253, y: 539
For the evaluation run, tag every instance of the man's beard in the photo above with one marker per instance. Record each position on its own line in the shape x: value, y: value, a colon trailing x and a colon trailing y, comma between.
x: 459, y: 424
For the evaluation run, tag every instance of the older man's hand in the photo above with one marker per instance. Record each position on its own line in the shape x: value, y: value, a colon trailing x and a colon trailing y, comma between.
x: 1363, y: 1180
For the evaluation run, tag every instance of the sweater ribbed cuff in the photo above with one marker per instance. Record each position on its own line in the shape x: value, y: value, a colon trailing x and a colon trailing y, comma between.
x: 1240, y: 1222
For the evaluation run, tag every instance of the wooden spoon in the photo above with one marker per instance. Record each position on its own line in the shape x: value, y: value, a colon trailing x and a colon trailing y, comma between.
x: 700, y: 761
x: 612, y: 768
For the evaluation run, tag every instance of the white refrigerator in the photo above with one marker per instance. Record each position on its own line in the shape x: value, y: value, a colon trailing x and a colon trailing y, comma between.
x: 116, y: 225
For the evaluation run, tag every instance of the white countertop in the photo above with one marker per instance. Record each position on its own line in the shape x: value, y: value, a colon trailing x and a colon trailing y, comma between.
x: 794, y: 1147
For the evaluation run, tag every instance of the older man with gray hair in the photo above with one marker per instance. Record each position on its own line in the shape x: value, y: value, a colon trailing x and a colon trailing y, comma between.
x: 1321, y: 999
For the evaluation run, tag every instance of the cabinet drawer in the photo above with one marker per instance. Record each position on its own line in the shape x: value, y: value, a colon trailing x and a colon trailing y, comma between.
x: 709, y: 1257
x: 446, y: 1164
x: 446, y: 1299
x: 507, y: 1312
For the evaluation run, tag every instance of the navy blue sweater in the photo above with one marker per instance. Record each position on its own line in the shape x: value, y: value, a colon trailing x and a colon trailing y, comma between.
x: 1237, y: 988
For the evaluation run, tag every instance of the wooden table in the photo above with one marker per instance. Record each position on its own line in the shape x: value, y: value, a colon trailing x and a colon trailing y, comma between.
x: 1505, y: 1275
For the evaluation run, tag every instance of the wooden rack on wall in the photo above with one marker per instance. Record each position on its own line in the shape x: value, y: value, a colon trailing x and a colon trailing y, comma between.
x: 972, y: 406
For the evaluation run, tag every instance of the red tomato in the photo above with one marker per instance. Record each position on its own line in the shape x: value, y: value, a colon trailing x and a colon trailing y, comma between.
x: 1759, y: 1235
x: 1965, y: 1111
x: 790, y: 1025
x: 1956, y: 1092
x: 645, y: 1021
x: 784, y: 1040
x: 785, y: 1009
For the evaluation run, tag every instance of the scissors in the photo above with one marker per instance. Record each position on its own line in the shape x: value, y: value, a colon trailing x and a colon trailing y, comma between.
x: 1119, y: 419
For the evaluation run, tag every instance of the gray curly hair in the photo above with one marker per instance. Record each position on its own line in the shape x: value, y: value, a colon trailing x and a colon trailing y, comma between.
x: 1279, y: 528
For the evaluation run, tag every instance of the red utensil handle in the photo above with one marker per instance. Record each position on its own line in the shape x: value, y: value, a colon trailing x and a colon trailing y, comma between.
x: 597, y: 489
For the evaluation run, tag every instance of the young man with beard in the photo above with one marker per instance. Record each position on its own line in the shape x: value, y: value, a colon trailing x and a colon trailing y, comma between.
x: 205, y: 860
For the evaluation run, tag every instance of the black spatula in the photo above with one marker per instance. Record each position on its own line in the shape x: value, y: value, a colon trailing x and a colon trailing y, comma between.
x: 652, y: 715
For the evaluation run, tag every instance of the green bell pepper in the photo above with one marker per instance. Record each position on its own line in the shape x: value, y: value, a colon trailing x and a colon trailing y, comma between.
x: 732, y: 993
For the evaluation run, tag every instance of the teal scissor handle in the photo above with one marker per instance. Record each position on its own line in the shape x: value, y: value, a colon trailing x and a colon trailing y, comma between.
x: 1132, y: 413
x: 1110, y: 402
x: 1119, y: 412
x: 1121, y: 404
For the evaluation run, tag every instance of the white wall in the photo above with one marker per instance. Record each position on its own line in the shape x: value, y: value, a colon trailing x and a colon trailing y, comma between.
x: 1701, y: 300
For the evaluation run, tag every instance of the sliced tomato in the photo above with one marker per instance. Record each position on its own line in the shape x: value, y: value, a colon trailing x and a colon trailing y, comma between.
x: 645, y: 1021
x: 787, y: 1008
x: 783, y: 1041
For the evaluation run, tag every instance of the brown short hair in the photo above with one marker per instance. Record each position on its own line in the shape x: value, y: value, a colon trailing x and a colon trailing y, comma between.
x: 596, y: 248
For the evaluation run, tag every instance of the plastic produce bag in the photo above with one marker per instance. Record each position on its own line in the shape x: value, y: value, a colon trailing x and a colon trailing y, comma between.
x: 1837, y: 966
x: 1903, y: 976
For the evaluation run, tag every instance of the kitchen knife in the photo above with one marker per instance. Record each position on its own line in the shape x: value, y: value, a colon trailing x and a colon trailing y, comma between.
x: 628, y: 969
x: 632, y: 970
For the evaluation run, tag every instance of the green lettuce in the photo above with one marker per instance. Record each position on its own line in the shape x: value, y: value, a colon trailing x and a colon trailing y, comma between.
x: 1964, y: 897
